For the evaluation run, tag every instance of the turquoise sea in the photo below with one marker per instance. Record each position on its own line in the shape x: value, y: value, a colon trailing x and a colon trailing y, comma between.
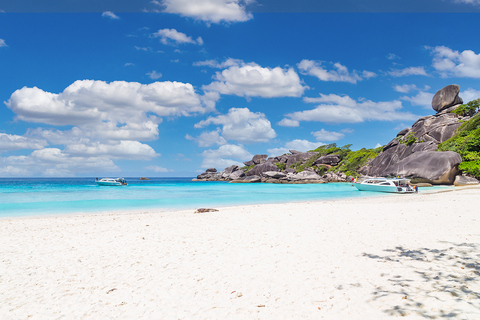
x: 40, y: 196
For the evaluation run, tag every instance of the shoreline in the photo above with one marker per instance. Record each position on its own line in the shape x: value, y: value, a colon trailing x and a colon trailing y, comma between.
x: 414, y: 256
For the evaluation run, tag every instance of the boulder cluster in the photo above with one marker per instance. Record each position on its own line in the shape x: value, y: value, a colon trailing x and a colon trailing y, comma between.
x: 412, y: 152
x: 264, y: 169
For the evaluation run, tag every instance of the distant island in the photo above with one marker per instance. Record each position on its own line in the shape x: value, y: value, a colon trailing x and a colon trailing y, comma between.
x: 440, y: 149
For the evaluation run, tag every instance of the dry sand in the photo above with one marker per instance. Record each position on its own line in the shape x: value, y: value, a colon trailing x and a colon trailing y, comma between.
x: 408, y: 256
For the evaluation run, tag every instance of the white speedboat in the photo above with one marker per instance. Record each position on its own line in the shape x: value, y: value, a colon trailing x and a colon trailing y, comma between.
x: 111, y: 182
x: 398, y: 185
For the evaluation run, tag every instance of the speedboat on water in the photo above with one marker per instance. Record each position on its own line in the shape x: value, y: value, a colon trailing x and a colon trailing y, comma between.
x: 396, y: 185
x: 111, y: 182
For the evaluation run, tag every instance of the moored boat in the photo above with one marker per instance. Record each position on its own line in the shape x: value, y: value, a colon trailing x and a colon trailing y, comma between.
x: 111, y: 182
x: 396, y: 185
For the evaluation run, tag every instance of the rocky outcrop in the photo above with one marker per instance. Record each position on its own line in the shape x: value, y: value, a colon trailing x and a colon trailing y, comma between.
x: 427, y: 166
x: 412, y: 154
x: 462, y: 180
x: 261, y: 168
x: 446, y: 97
x: 401, y: 156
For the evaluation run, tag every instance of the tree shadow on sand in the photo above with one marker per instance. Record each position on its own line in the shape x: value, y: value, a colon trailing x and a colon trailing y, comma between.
x: 445, y: 283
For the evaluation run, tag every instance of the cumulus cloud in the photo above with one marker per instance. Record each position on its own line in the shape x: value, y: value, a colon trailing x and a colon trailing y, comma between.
x: 339, y: 73
x: 54, y: 162
x: 108, y: 120
x: 452, y: 63
x: 208, y: 138
x: 343, y: 109
x: 240, y: 124
x: 87, y: 101
x: 210, y: 11
x: 157, y: 169
x: 110, y: 15
x: 219, y: 65
x: 297, y: 144
x: 2, y: 43
x: 410, y: 71
x: 252, y: 80
x: 173, y: 37
x: 225, y: 156
x: 285, y: 122
x: 9, y: 142
x: 422, y: 98
x: 324, y: 135
x: 469, y: 95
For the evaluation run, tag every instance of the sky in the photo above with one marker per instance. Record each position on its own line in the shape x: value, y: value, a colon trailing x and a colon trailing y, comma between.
x: 169, y: 88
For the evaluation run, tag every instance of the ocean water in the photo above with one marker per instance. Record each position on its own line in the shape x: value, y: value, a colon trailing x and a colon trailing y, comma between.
x: 40, y: 196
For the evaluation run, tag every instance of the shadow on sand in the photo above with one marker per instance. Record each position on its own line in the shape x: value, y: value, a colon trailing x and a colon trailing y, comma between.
x: 444, y: 284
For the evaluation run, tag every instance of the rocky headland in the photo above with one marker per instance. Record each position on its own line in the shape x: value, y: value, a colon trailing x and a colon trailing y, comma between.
x: 413, y: 154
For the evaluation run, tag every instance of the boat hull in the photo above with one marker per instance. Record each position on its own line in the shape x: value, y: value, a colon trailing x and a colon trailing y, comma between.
x: 377, y: 188
x: 108, y: 183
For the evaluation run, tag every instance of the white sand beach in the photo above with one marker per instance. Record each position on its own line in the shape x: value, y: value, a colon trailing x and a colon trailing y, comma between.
x: 408, y: 256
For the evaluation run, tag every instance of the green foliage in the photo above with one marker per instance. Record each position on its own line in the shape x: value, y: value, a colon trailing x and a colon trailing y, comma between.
x: 409, y: 139
x: 466, y: 142
x: 248, y: 168
x: 354, y: 160
x: 468, y: 109
x: 472, y: 167
x: 281, y: 165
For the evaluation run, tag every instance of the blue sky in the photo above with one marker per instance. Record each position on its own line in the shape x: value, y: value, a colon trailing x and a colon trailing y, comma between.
x: 172, y: 87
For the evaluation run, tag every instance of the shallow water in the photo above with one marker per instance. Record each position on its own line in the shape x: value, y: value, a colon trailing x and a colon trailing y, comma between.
x: 39, y: 196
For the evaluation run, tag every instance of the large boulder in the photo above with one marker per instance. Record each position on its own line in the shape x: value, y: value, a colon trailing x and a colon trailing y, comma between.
x: 331, y: 160
x: 227, y: 172
x: 259, y: 169
x: 465, y: 181
x: 212, y: 170
x: 274, y: 174
x: 259, y: 158
x: 446, y: 97
x: 427, y: 166
x: 305, y: 176
x: 237, y: 175
x: 298, y: 157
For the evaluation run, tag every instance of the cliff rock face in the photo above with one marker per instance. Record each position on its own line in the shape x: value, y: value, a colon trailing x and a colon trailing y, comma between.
x: 412, y: 153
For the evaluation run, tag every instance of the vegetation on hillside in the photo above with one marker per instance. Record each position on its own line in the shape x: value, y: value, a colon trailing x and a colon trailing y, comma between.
x: 350, y: 161
x: 466, y: 141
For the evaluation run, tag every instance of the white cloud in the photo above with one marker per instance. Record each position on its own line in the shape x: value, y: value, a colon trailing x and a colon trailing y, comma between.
x: 110, y: 14
x: 339, y: 74
x: 225, y: 156
x: 452, y: 63
x: 172, y: 36
x: 472, y: 2
x: 2, y: 43
x: 210, y: 11
x: 406, y: 88
x: 154, y: 75
x: 54, y: 162
x: 324, y: 135
x: 392, y: 56
x: 240, y: 124
x: 10, y: 142
x: 109, y: 120
x: 343, y: 109
x: 410, y: 71
x: 297, y: 144
x: 215, y: 64
x: 423, y: 99
x: 252, y: 80
x: 157, y: 169
x: 288, y: 123
x: 119, y: 102
x: 469, y: 95
x: 132, y: 150
x: 208, y: 138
